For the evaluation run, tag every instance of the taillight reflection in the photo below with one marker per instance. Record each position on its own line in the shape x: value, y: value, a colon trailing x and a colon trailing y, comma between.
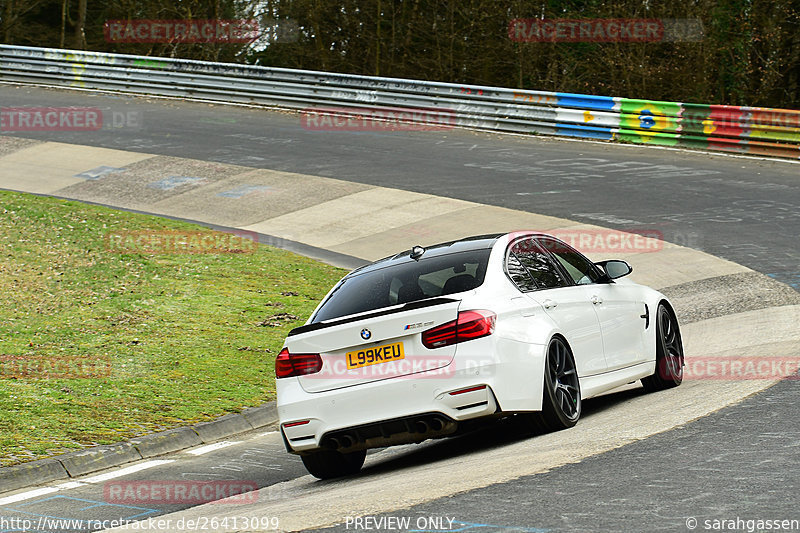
x: 469, y: 325
x: 297, y: 364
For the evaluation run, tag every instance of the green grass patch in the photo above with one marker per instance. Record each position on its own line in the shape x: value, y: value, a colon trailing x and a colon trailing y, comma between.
x: 98, y: 346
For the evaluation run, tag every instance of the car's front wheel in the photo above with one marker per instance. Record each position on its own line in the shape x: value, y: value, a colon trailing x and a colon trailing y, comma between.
x: 327, y: 464
x: 561, y: 406
x: 669, y: 353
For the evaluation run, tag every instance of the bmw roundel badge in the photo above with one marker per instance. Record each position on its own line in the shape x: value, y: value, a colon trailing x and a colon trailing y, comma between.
x: 366, y: 334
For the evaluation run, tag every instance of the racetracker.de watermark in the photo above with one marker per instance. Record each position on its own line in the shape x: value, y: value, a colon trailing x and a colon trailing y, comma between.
x: 377, y: 119
x: 735, y: 117
x: 181, y: 31
x: 180, y: 492
x: 14, y: 119
x: 409, y: 366
x: 599, y: 240
x: 600, y: 30
x: 55, y: 367
x: 611, y: 241
x: 181, y: 242
x: 151, y: 523
x: 740, y: 368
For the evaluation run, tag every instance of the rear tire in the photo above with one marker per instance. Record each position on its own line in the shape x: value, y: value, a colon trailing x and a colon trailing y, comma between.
x: 328, y: 464
x: 669, y: 353
x: 561, y: 405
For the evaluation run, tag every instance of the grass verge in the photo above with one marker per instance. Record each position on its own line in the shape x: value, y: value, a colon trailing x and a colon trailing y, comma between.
x: 98, y: 346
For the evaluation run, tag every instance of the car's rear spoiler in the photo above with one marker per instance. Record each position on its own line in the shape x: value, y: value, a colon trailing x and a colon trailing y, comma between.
x: 420, y: 304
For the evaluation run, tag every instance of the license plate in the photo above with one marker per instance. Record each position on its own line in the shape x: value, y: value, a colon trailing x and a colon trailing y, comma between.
x: 375, y: 355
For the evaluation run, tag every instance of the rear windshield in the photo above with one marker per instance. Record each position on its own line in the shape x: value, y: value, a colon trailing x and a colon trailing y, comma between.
x: 405, y: 282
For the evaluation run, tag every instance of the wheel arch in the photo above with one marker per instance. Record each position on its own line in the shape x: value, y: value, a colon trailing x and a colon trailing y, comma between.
x: 649, y: 335
x: 552, y: 416
x: 663, y: 376
x: 569, y: 347
x: 666, y: 303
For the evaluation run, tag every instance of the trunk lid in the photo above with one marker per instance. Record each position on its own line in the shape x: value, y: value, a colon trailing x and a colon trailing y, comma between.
x: 378, y: 345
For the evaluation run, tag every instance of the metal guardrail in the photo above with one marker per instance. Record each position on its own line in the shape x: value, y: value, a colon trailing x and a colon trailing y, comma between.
x: 750, y: 130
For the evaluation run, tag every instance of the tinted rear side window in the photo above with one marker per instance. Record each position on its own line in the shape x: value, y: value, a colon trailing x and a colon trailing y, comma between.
x: 526, y: 255
x: 405, y: 282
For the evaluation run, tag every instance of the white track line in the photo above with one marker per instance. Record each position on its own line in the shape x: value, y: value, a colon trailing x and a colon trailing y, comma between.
x: 126, y: 471
x: 27, y: 495
x: 75, y: 484
x: 70, y: 485
x: 211, y: 447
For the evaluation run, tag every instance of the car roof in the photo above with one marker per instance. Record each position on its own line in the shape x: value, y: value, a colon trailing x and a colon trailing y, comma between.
x: 476, y: 242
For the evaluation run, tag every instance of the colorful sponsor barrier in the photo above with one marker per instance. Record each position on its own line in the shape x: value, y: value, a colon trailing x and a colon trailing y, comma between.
x: 747, y: 130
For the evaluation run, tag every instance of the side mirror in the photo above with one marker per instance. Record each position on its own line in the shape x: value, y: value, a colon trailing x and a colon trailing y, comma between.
x: 615, y: 268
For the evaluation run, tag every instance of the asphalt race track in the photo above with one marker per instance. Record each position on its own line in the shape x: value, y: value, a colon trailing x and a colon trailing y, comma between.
x: 740, y: 462
x: 640, y: 467
x: 745, y: 210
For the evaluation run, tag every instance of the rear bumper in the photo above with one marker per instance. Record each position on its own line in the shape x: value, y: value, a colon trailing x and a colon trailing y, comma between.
x: 406, y: 409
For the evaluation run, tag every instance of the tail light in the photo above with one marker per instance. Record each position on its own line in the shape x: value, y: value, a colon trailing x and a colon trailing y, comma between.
x: 469, y: 325
x: 296, y: 364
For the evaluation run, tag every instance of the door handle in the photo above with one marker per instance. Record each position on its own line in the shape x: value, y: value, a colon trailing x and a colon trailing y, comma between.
x: 596, y: 300
x: 548, y: 304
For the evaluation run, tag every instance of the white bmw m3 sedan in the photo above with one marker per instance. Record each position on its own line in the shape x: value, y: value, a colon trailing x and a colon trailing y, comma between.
x: 408, y: 347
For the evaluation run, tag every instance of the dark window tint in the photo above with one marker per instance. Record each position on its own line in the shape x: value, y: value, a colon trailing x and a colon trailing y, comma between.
x: 405, y: 281
x: 581, y: 270
x: 537, y: 264
x: 519, y: 275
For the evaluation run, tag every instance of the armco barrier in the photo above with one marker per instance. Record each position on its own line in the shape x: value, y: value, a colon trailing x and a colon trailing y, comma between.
x: 750, y: 130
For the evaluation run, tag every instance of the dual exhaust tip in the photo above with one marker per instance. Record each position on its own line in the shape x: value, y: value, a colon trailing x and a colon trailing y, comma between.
x: 422, y: 426
x: 340, y: 441
x: 434, y: 424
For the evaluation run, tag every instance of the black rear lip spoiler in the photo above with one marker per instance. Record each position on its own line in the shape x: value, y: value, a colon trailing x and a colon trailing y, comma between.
x: 421, y: 304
